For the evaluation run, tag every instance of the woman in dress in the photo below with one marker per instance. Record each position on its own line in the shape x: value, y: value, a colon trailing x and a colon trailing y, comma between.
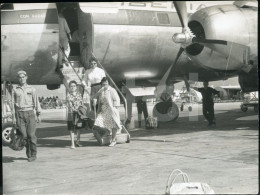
x: 107, y: 114
x: 74, y: 100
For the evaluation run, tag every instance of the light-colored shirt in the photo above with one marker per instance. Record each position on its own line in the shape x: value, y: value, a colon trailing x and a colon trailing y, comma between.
x: 25, y: 99
x: 93, y: 76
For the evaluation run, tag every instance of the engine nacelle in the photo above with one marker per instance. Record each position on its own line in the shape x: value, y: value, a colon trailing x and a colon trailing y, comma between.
x: 229, y: 23
x: 249, y: 81
x: 53, y: 86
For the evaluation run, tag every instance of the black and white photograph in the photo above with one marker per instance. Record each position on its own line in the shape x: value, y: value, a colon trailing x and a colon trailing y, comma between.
x: 138, y: 97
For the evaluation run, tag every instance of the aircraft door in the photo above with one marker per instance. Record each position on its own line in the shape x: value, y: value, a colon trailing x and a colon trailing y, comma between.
x: 86, y: 33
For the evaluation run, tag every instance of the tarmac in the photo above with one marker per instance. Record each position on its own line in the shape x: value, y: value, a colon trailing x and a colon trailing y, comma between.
x: 225, y: 157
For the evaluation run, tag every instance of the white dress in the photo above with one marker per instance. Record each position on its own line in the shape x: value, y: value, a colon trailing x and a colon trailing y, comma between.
x: 104, y: 118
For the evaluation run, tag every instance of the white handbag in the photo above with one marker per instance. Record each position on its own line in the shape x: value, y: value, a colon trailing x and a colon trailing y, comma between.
x: 186, y: 187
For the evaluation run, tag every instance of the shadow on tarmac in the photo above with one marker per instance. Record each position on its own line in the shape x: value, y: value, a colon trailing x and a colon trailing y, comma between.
x: 10, y: 159
x: 225, y: 122
x: 57, y: 143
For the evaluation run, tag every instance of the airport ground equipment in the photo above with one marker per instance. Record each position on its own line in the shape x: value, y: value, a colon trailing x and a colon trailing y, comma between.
x: 7, y: 124
x: 251, y: 100
x: 185, y: 187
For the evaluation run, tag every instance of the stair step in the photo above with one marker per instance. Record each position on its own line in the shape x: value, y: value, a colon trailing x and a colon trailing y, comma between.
x: 74, y: 58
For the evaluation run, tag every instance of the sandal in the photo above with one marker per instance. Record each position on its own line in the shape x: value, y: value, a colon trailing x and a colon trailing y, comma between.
x: 113, y: 143
x: 78, y: 144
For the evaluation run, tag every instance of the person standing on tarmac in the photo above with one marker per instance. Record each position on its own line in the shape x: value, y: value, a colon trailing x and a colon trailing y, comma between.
x: 24, y: 102
x: 141, y: 108
x: 207, y: 102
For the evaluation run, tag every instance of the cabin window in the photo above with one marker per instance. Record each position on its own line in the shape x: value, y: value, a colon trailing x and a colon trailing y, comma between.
x: 163, y: 18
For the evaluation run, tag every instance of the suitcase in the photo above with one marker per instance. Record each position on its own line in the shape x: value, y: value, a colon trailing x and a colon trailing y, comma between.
x: 121, y: 137
x: 151, y: 122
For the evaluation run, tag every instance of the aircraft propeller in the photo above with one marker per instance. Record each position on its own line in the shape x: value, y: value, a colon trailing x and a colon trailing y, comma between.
x: 187, y: 37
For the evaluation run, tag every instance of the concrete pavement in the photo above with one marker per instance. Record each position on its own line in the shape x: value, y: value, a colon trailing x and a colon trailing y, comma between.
x: 225, y: 157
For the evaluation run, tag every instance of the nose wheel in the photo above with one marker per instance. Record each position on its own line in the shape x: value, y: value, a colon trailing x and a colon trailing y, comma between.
x: 166, y: 111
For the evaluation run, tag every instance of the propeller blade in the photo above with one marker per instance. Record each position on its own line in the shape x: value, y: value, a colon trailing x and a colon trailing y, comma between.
x: 181, y: 9
x: 175, y: 62
x: 212, y: 41
x: 163, y: 82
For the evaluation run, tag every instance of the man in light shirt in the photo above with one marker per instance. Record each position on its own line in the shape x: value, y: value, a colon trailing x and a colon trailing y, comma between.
x: 92, y: 79
x: 24, y: 102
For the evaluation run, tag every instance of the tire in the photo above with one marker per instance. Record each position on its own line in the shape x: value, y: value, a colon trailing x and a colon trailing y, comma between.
x: 6, y: 131
x: 190, y: 108
x: 166, y: 111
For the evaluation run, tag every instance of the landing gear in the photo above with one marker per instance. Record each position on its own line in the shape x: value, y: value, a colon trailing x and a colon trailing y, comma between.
x: 166, y: 111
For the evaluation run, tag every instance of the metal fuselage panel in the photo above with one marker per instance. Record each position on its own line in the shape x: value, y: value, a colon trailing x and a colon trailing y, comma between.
x: 135, y: 52
x: 30, y: 40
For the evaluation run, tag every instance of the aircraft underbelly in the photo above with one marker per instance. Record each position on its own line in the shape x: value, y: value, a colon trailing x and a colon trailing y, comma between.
x: 140, y: 52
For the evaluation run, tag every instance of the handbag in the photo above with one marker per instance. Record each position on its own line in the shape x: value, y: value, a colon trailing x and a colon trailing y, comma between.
x: 185, y: 187
x: 17, y: 141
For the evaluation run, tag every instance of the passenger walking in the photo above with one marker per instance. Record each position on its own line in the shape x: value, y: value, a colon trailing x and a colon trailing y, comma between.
x: 141, y: 108
x: 107, y: 114
x: 74, y: 123
x: 207, y: 102
x: 24, y: 102
x: 65, y: 37
x: 92, y: 80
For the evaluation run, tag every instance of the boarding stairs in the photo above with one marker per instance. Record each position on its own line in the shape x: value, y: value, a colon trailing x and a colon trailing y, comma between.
x: 73, y: 70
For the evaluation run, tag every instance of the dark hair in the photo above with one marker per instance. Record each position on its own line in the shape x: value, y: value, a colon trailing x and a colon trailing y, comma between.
x: 104, y: 79
x: 93, y: 59
x: 72, y: 82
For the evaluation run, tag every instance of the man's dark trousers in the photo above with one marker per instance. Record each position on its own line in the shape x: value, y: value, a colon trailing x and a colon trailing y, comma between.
x: 142, y: 108
x: 27, y: 125
x: 208, y: 111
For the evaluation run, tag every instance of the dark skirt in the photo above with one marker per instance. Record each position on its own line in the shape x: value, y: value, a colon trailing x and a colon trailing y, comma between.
x: 75, y: 123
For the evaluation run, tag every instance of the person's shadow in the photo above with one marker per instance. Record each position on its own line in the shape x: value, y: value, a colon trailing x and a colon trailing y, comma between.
x: 9, y: 159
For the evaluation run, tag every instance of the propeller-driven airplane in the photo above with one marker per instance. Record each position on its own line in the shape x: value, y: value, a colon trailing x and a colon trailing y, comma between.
x: 150, y: 43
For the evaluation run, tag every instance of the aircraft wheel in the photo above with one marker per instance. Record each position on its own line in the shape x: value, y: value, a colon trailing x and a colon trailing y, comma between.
x: 166, y: 111
x: 6, y: 132
x: 244, y: 108
x: 256, y: 108
x: 190, y: 108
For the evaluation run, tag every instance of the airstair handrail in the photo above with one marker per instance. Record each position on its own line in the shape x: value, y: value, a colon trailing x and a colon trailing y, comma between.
x: 73, y: 69
x: 111, y: 80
